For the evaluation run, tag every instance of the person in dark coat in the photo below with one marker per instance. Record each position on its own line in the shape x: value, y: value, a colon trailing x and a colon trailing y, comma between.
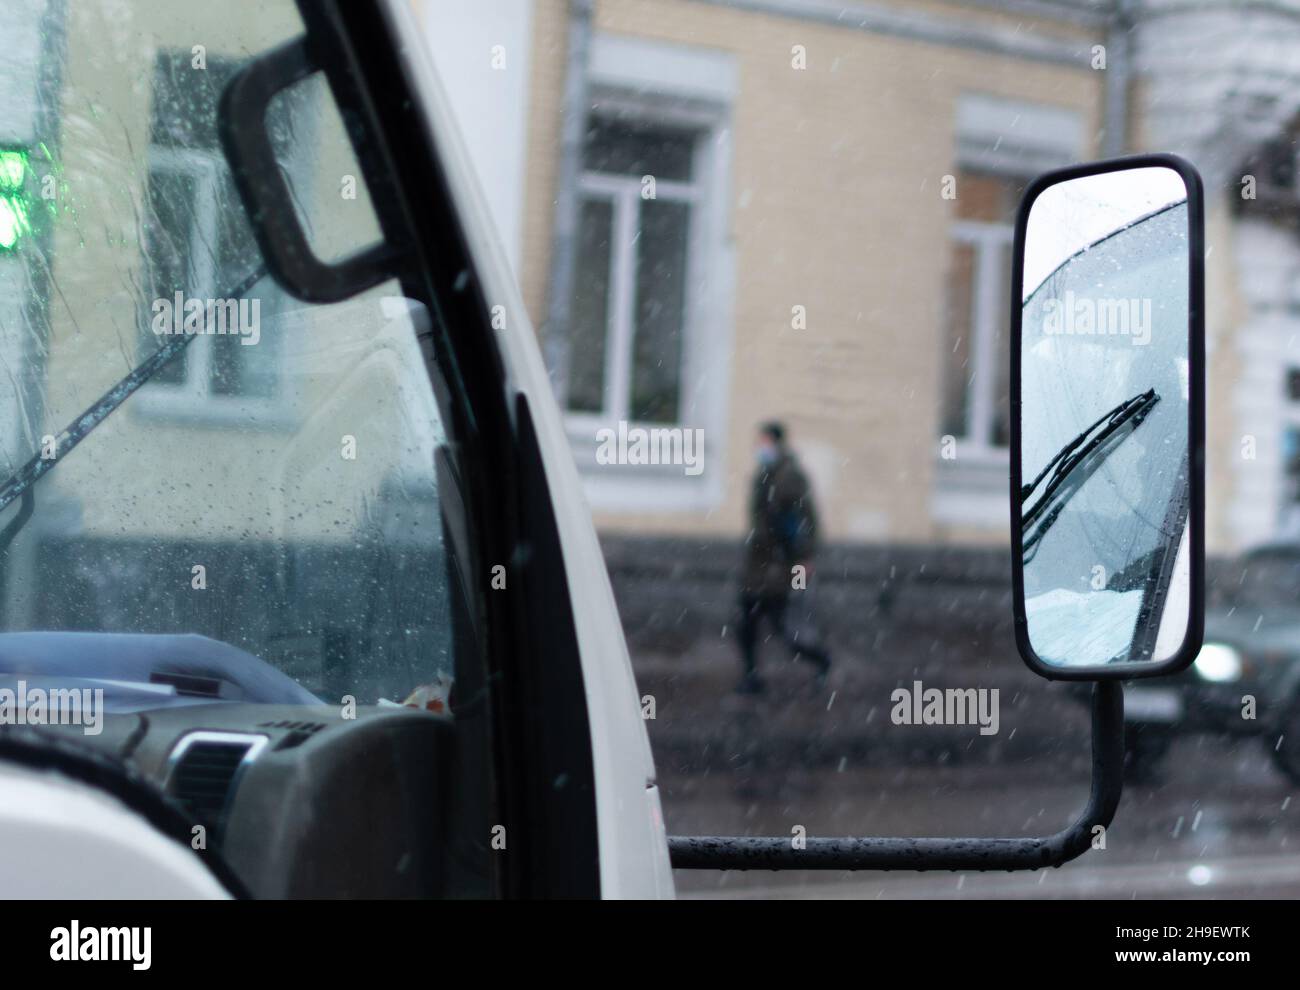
x: 782, y: 537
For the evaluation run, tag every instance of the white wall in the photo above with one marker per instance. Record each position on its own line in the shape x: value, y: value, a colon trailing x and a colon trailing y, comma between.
x: 491, y: 103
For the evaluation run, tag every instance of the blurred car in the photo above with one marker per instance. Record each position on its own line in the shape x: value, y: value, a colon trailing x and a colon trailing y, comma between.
x: 1246, y: 680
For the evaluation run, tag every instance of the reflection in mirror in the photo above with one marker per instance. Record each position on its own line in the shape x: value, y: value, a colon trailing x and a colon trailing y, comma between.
x: 1104, y: 414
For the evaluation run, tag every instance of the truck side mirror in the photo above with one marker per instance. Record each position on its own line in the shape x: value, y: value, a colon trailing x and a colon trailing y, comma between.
x: 1107, y: 484
x: 1108, y: 420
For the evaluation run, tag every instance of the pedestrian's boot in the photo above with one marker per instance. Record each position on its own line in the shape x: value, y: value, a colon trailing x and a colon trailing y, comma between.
x: 823, y: 662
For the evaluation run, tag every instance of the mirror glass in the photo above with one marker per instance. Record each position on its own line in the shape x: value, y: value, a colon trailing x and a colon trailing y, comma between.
x: 1104, y: 418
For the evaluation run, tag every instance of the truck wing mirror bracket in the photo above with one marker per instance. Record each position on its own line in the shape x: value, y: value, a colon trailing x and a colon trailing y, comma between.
x: 1107, y: 424
x: 781, y: 853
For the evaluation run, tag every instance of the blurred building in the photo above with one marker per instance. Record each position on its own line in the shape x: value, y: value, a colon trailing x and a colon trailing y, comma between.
x: 828, y: 232
x: 258, y: 494
x: 720, y: 212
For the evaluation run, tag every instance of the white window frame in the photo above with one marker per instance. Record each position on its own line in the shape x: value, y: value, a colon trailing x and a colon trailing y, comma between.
x: 1009, y: 139
x: 989, y: 286
x: 193, y: 400
x: 676, y: 87
x: 623, y: 193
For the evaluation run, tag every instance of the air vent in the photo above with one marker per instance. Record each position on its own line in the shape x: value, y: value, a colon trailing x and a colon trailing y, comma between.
x: 288, y: 723
x: 205, y: 770
x: 296, y: 732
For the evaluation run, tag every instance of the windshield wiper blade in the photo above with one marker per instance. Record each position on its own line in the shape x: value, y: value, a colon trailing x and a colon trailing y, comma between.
x: 31, y: 472
x: 1082, y: 455
x: 1138, y: 405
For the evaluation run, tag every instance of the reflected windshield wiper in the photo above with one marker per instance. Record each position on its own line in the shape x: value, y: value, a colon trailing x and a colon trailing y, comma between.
x: 22, y: 480
x: 1075, y: 463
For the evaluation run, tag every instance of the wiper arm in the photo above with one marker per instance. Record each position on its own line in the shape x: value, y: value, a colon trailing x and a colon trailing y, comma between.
x: 1075, y: 463
x: 22, y: 480
x: 1139, y: 405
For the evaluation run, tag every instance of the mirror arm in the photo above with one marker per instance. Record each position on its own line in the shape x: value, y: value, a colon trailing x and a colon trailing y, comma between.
x: 745, y: 853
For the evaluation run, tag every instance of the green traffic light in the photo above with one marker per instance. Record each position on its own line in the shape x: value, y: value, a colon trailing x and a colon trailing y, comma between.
x: 14, y: 220
x: 13, y: 170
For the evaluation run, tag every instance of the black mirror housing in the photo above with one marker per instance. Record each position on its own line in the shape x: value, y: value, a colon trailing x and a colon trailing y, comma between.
x: 1107, y: 439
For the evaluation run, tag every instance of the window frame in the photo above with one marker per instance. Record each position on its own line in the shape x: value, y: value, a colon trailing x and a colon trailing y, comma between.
x: 693, y: 91
x: 988, y: 287
x: 1009, y: 139
x: 623, y: 193
x: 530, y: 651
x: 193, y: 400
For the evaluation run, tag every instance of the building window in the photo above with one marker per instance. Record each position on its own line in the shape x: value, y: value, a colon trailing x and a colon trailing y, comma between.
x: 1291, y: 472
x: 194, y: 245
x: 1290, y: 501
x: 976, y: 409
x: 197, y: 242
x: 650, y: 331
x: 999, y: 146
x: 638, y: 194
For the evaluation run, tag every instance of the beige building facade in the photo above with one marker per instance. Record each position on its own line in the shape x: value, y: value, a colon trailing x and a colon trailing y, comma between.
x: 779, y: 209
x: 854, y: 174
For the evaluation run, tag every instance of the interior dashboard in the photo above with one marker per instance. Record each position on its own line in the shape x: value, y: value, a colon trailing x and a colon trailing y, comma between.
x: 299, y: 801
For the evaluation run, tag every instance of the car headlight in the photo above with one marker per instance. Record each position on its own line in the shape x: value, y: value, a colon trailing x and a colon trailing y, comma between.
x: 1218, y: 663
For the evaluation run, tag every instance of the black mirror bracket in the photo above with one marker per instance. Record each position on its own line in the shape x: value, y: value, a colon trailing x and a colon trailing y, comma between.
x: 814, y: 853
